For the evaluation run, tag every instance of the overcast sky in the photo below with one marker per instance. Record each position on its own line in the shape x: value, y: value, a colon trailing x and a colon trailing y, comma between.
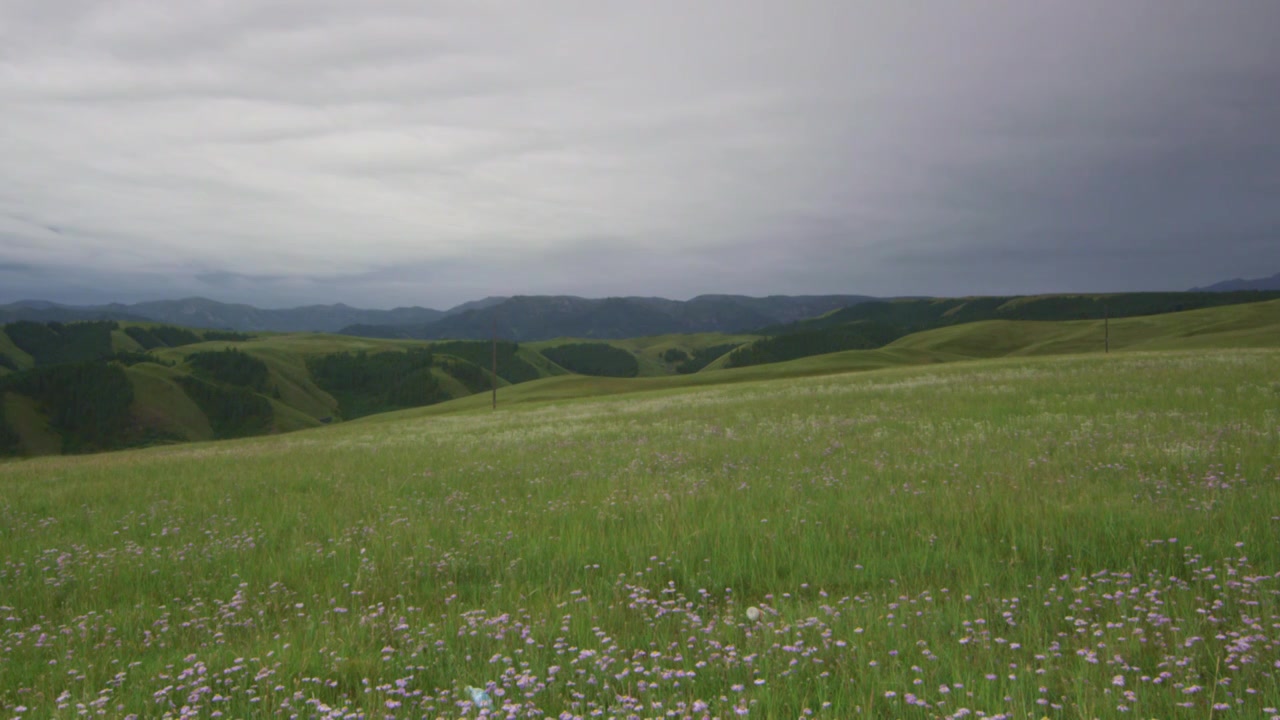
x: 429, y: 152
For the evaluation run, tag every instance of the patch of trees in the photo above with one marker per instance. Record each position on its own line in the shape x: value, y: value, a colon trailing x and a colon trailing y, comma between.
x: 674, y: 355
x: 143, y: 337
x: 599, y: 359
x: 364, y: 384
x: 511, y: 367
x: 88, y: 403
x: 231, y: 367
x: 10, y: 442
x: 226, y: 336
x: 473, y: 377
x: 855, y: 336
x: 169, y: 336
x: 133, y: 358
x: 703, y: 357
x: 232, y: 411
x: 174, y: 336
x: 53, y: 343
x: 7, y: 362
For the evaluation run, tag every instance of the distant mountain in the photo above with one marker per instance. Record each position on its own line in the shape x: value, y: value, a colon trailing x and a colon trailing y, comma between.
x: 476, y: 304
x: 42, y: 311
x: 205, y: 313
x: 523, y: 318
x: 542, y: 317
x: 1267, y: 283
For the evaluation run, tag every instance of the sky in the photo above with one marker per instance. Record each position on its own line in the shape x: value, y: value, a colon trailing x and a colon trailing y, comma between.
x: 423, y: 152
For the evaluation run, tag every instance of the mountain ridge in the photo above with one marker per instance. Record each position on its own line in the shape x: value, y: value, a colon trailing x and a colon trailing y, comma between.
x: 201, y: 312
x: 542, y: 317
x: 1237, y: 284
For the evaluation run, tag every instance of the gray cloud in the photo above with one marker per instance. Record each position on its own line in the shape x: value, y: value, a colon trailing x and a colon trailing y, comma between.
x: 397, y: 152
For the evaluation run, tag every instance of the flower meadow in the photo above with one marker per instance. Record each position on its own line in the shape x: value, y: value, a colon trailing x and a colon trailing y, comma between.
x: 1080, y: 537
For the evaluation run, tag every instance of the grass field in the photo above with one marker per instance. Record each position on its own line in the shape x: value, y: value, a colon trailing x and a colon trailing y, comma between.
x: 1062, y: 537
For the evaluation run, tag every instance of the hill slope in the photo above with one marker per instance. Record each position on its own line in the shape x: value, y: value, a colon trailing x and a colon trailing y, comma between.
x: 278, y: 383
x: 532, y: 318
x: 1254, y: 325
x: 79, y: 392
x: 875, y: 324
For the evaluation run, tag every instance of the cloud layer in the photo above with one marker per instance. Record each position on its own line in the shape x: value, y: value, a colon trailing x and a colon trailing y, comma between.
x: 391, y: 153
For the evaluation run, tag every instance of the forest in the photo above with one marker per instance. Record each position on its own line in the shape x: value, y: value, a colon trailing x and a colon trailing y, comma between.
x: 593, y: 359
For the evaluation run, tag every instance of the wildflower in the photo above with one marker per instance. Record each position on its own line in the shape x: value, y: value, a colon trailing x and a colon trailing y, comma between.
x: 753, y: 613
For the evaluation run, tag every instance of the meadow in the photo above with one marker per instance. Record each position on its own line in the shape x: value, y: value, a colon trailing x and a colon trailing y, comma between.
x: 1063, y: 537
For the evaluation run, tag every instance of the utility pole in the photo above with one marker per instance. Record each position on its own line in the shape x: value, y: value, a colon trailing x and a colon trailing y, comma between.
x: 1106, y: 330
x: 494, y: 379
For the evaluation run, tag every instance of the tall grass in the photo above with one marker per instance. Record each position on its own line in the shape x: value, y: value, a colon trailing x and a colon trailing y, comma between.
x: 1064, y: 537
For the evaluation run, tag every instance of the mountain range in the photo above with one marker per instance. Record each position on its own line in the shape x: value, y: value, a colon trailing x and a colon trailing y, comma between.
x: 198, y: 312
x: 1266, y: 283
x: 520, y: 318
x: 542, y: 317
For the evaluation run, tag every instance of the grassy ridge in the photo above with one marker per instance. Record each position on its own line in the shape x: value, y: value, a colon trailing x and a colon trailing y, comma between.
x: 1090, y: 536
x: 1255, y: 325
x: 874, y: 324
x: 651, y: 352
x: 276, y: 367
x: 229, y: 388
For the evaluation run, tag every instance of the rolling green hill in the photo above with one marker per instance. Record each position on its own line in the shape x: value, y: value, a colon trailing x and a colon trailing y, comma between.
x: 660, y: 355
x: 282, y: 382
x: 1014, y: 537
x: 875, y: 324
x: 1254, y: 325
x: 102, y: 386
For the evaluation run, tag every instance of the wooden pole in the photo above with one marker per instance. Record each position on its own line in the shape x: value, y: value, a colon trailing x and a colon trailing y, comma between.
x: 495, y: 363
x: 1106, y: 330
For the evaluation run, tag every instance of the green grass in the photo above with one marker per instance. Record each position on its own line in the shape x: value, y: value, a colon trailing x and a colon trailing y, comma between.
x: 981, y: 535
x: 301, y: 403
x: 1251, y: 325
x: 19, y: 356
x: 161, y: 404
x: 32, y: 427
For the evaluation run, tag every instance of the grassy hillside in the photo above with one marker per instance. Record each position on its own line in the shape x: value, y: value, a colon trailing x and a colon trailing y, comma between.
x: 1251, y: 325
x: 660, y: 355
x: 1084, y: 536
x: 188, y: 388
x: 1255, y: 325
x: 274, y: 385
x: 874, y: 324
